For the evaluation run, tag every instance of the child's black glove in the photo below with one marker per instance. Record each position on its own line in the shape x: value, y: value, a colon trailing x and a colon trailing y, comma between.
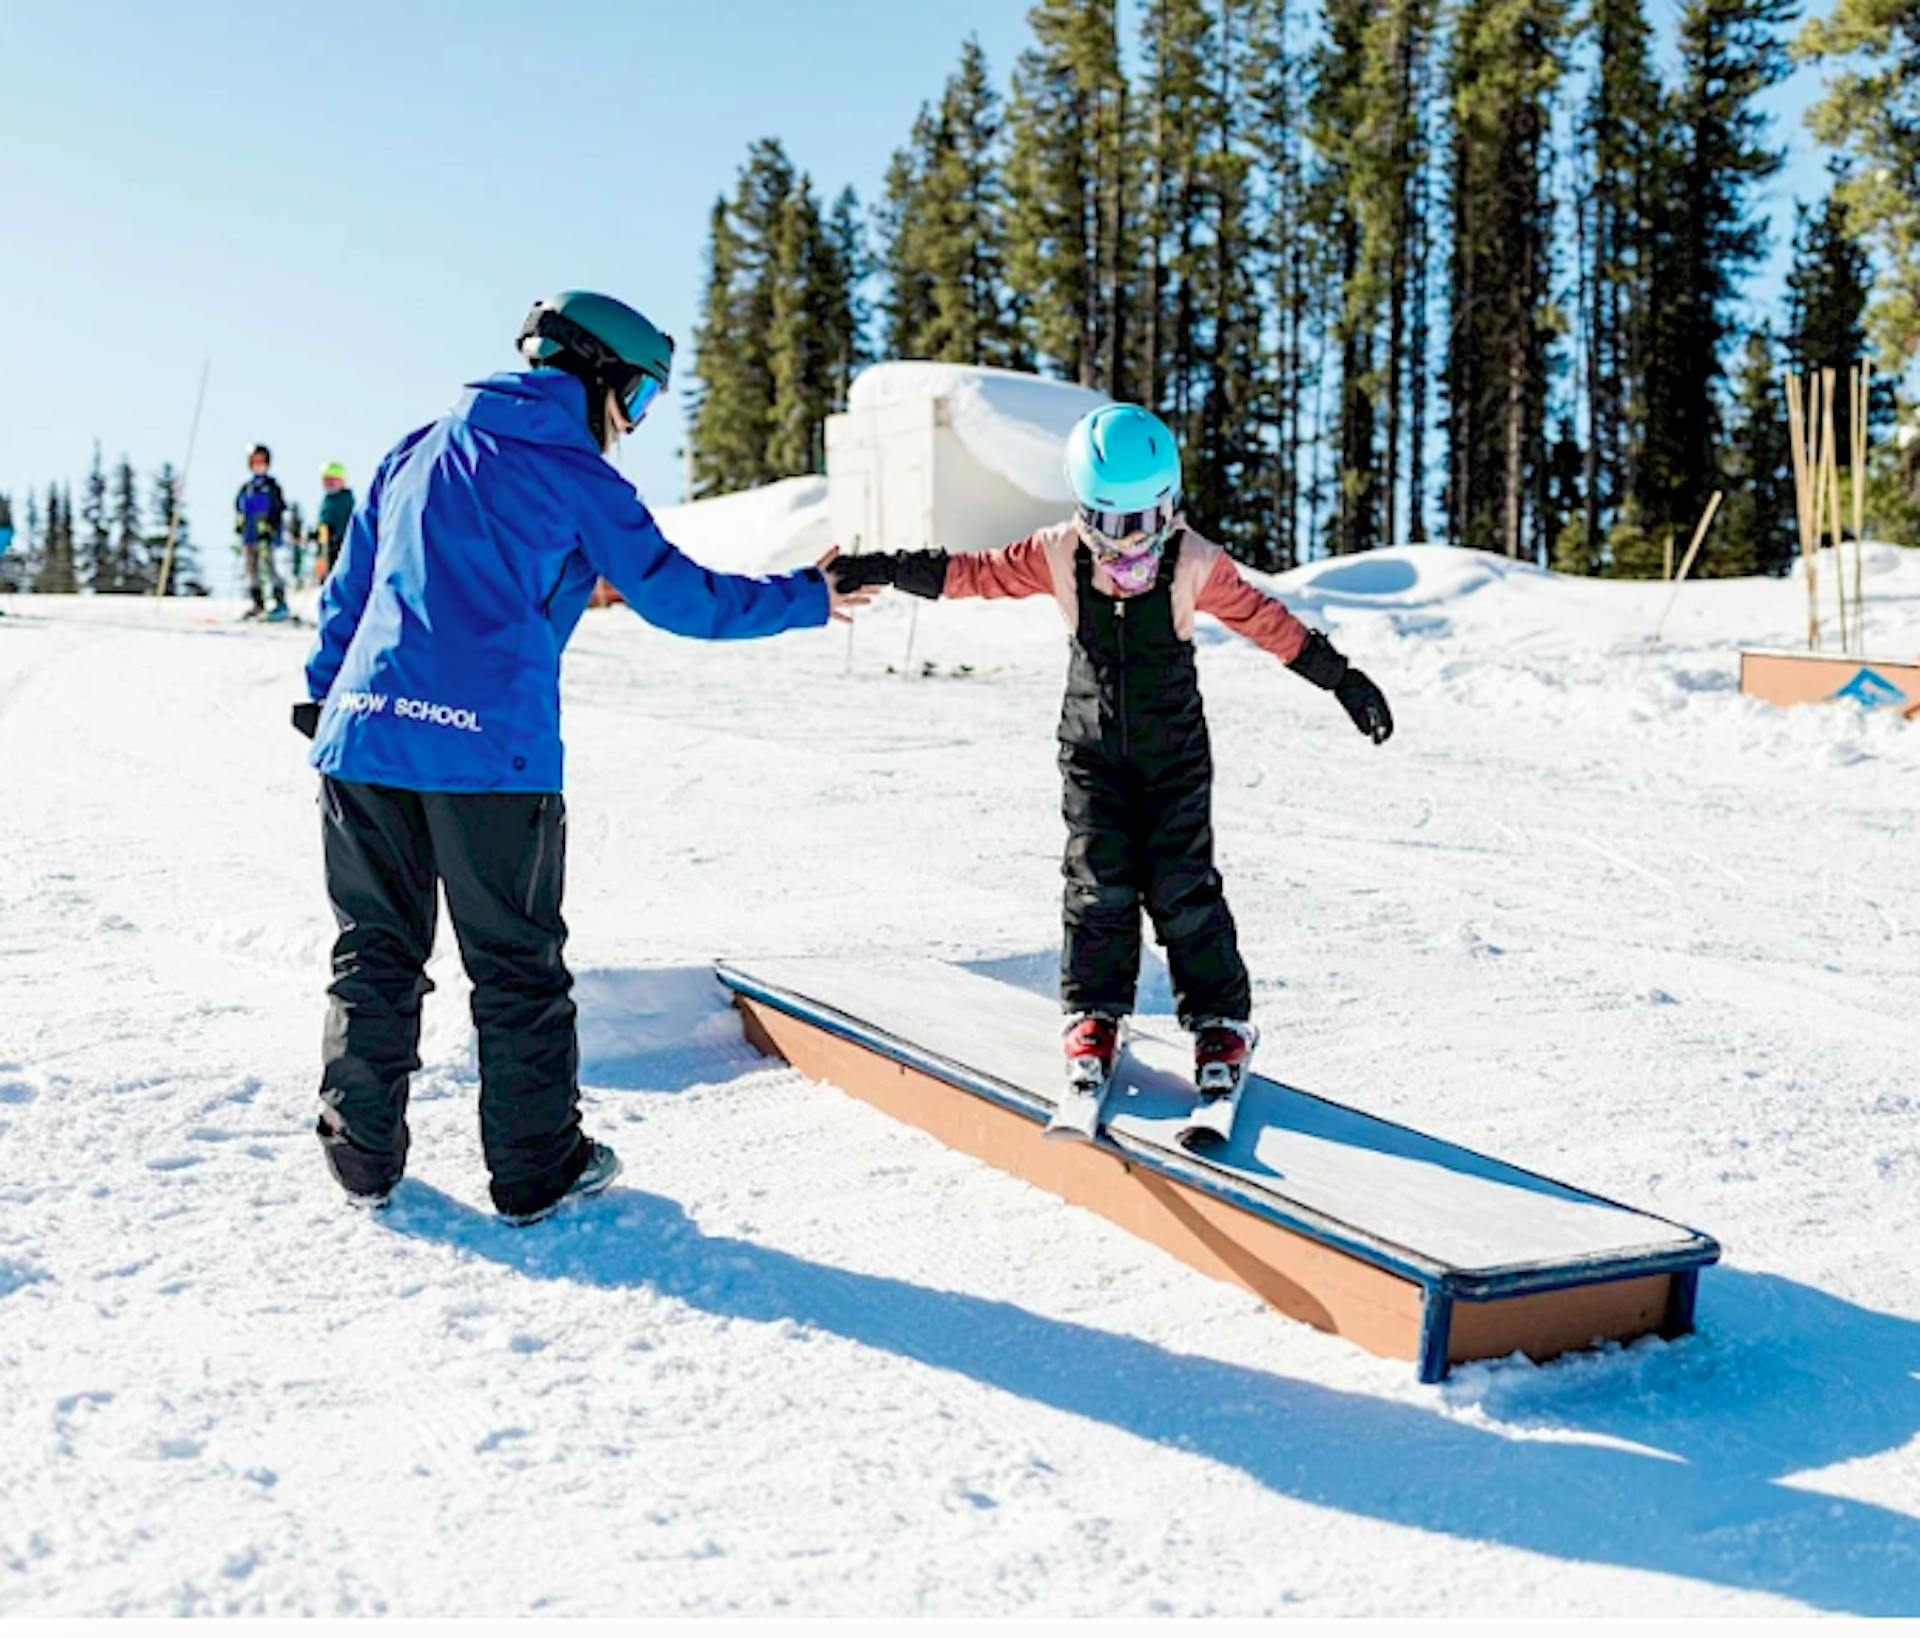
x: 923, y: 574
x: 863, y: 569
x: 1326, y: 667
x: 1364, y: 702
x: 306, y: 718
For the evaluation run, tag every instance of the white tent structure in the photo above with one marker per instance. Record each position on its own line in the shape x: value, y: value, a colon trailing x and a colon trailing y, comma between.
x: 953, y: 455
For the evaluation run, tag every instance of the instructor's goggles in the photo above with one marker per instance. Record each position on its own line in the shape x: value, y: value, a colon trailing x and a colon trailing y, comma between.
x: 638, y: 396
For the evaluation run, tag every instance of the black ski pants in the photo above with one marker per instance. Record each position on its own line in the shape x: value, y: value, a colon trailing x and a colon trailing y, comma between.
x: 1143, y: 836
x: 502, y: 861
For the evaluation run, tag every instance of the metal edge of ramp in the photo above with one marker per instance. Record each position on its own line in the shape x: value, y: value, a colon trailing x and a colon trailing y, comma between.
x: 1444, y: 1285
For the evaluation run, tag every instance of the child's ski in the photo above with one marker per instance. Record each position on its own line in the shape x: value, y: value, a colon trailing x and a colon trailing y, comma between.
x: 1076, y: 1116
x: 1223, y: 1060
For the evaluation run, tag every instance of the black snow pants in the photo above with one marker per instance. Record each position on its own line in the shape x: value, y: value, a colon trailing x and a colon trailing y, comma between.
x: 502, y: 861
x: 1137, y: 771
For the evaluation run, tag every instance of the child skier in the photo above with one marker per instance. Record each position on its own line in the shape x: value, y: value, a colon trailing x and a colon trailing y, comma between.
x: 434, y: 690
x: 336, y: 513
x: 259, y: 511
x: 1129, y: 575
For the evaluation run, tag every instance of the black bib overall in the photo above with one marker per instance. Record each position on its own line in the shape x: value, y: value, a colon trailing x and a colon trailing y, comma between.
x: 1137, y: 772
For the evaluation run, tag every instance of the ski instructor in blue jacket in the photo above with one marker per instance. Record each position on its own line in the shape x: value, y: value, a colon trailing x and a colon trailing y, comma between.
x: 434, y: 707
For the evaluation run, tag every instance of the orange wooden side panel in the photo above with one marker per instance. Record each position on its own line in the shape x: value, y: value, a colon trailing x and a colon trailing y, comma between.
x: 1806, y: 679
x: 1302, y: 1278
x: 1545, y: 1324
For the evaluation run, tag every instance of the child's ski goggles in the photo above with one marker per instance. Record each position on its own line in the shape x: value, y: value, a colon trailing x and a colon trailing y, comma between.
x: 1117, y: 535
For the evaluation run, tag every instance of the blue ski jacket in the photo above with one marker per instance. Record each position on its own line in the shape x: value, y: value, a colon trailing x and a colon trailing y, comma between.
x: 464, y: 575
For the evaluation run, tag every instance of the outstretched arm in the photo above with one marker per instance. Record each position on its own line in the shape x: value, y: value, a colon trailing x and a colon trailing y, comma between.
x: 668, y: 589
x: 1243, y: 607
x: 1018, y: 570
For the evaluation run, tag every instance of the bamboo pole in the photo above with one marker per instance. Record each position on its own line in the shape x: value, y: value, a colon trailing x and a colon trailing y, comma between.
x: 180, y: 482
x: 1686, y: 565
x: 1862, y: 452
x: 1830, y: 494
x: 1797, y: 431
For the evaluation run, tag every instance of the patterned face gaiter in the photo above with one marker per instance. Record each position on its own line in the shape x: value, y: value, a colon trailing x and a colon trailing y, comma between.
x: 1136, y: 572
x: 1129, y: 546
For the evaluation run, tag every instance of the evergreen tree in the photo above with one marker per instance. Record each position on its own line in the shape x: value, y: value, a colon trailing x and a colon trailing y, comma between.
x: 1180, y: 116
x: 901, y: 222
x: 98, y: 567
x: 1388, y: 143
x: 1828, y: 289
x: 1871, y: 111
x: 1337, y: 110
x: 1232, y: 460
x: 756, y: 242
x: 168, y: 514
x: 1624, y: 129
x: 55, y: 572
x: 800, y: 343
x: 1505, y: 61
x: 726, y: 413
x: 28, y: 552
x: 849, y: 312
x: 1285, y: 255
x: 1069, y: 179
x: 134, y: 571
x: 1757, y: 533
x: 962, y: 210
x: 1731, y: 51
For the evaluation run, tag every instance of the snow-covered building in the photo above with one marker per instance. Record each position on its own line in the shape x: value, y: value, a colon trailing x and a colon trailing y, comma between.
x: 952, y: 455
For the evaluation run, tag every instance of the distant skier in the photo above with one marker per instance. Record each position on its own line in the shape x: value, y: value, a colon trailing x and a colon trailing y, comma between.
x: 336, y: 512
x: 434, y: 698
x: 1130, y: 575
x: 259, y: 514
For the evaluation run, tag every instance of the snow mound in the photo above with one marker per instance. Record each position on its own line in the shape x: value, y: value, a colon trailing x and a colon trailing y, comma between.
x: 778, y: 526
x: 1013, y: 423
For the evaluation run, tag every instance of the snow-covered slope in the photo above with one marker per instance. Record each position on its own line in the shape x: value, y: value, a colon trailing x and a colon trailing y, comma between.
x: 758, y: 531
x: 1591, y: 910
x: 1013, y: 423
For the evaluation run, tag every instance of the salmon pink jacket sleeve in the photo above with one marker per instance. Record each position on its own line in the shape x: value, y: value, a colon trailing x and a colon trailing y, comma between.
x: 1019, y: 570
x: 1243, y: 608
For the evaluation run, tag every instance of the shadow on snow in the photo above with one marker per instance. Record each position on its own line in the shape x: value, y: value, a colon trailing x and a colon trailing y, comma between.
x: 1783, y: 1379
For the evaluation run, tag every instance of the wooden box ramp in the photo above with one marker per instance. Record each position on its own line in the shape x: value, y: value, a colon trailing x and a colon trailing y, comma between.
x: 1410, y: 1246
x: 1782, y: 677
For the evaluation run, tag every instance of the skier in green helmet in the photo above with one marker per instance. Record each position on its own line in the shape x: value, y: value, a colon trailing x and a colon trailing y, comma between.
x: 336, y: 513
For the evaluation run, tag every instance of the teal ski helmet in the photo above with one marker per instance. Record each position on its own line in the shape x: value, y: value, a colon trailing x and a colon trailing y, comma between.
x: 607, y: 339
x: 1122, y: 459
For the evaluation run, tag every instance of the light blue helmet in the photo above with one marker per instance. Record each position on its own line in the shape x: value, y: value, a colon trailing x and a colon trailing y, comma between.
x: 1122, y: 458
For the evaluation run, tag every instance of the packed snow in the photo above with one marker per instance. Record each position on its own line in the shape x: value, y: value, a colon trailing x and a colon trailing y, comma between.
x: 1591, y: 911
x: 1011, y: 422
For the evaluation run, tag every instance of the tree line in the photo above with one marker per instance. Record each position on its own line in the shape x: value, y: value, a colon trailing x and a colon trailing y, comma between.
x: 1392, y: 269
x: 112, y: 543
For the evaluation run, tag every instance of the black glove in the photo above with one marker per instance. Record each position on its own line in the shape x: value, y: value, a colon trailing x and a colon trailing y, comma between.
x: 306, y: 717
x: 1325, y: 666
x: 856, y: 573
x: 1364, y: 702
x: 922, y: 574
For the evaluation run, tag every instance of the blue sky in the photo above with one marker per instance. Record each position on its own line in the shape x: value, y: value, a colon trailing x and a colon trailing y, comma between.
x: 349, y: 207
